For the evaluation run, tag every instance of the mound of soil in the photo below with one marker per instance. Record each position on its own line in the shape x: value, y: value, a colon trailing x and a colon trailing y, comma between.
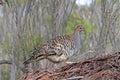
x: 101, y: 67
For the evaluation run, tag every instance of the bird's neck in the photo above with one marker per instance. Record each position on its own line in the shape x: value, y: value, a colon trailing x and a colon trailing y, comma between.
x: 76, y: 39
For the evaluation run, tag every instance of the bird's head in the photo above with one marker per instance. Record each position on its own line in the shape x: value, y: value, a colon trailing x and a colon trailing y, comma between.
x: 80, y: 28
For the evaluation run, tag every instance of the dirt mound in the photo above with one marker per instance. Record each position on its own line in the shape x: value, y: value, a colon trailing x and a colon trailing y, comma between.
x: 104, y: 67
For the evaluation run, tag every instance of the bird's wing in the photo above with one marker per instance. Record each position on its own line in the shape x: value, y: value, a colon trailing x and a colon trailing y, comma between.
x: 60, y: 45
x: 39, y: 49
x: 37, y: 54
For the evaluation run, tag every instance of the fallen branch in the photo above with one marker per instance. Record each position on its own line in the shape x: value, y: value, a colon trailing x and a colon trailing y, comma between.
x: 97, y: 68
x: 5, y: 62
x: 73, y: 78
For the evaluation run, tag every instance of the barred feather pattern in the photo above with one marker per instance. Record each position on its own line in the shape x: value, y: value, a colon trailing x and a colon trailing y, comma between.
x: 57, y: 46
x: 56, y: 50
x: 61, y: 45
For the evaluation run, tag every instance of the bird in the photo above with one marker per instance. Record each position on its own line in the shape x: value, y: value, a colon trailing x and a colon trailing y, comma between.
x: 58, y: 49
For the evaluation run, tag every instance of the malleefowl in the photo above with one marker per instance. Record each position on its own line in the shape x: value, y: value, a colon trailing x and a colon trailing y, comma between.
x: 59, y: 49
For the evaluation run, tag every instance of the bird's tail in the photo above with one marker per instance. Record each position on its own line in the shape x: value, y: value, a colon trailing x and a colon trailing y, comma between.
x: 33, y: 58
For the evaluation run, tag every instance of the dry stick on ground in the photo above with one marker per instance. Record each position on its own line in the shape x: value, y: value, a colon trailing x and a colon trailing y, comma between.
x: 10, y: 63
x: 5, y: 62
x: 72, y: 78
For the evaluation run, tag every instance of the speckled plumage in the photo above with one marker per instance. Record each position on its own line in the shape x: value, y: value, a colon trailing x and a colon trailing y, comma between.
x: 57, y: 49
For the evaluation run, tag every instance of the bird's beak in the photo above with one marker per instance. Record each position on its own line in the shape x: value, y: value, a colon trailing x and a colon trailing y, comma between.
x: 82, y: 29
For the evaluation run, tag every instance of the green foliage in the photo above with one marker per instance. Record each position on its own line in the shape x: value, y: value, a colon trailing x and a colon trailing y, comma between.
x: 71, y: 23
x: 87, y: 26
x: 7, y: 45
x: 9, y: 2
x: 5, y: 77
x: 25, y: 43
x: 68, y: 29
x: 30, y: 42
x: 98, y: 2
x: 21, y: 1
x: 50, y: 19
x: 74, y: 21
